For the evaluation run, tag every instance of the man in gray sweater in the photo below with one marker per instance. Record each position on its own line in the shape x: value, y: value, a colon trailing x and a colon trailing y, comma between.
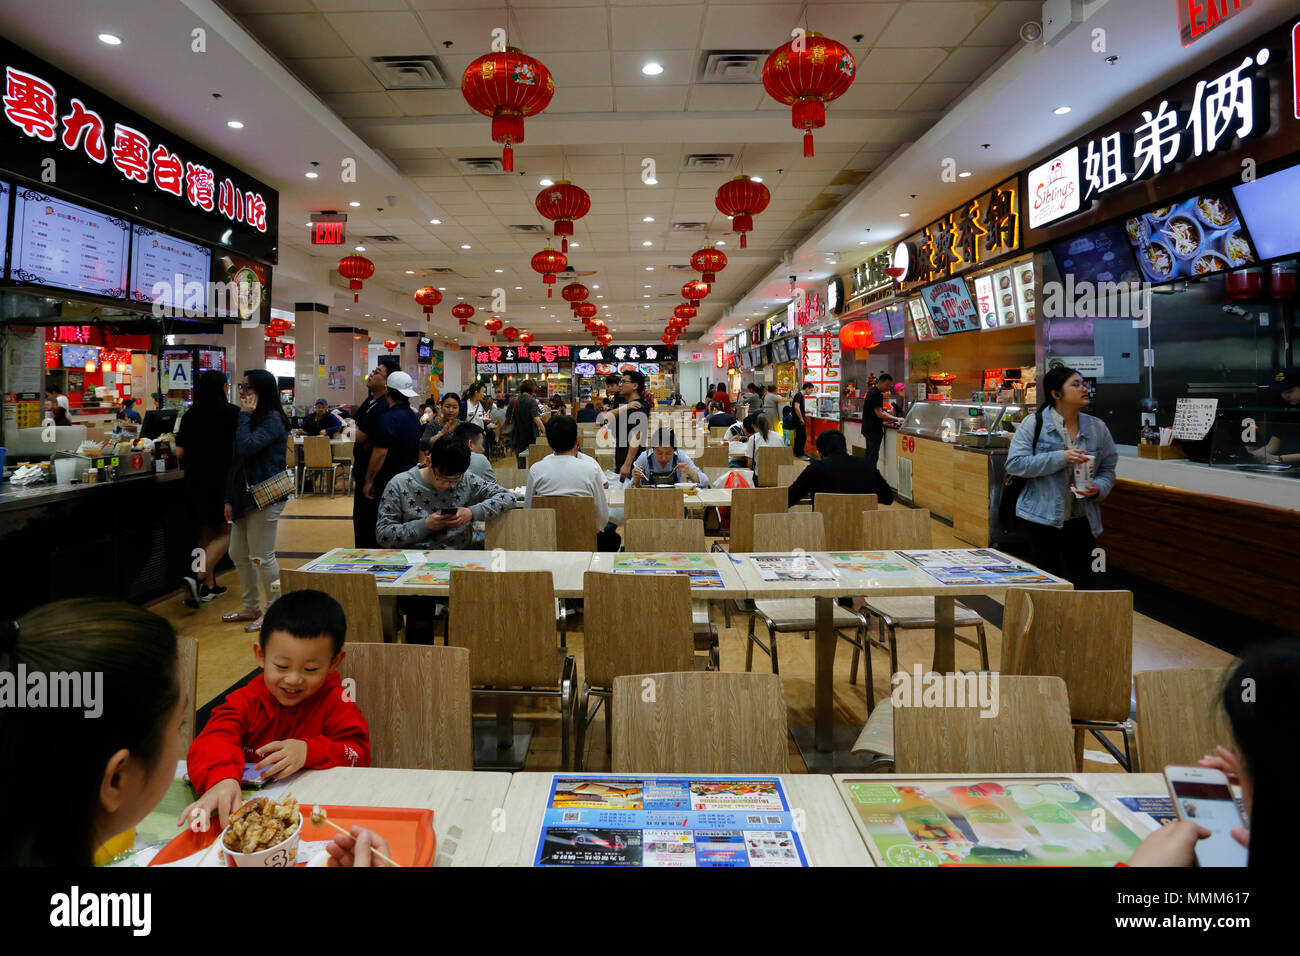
x: 434, y: 507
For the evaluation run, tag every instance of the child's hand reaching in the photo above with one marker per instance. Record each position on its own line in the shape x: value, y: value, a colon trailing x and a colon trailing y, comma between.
x: 282, y: 757
x: 221, y: 798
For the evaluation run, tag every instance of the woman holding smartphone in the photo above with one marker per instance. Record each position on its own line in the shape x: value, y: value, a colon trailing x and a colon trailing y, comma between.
x: 1068, y: 460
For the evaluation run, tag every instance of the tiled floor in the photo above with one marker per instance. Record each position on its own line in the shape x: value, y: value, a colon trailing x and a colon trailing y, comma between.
x: 316, y: 524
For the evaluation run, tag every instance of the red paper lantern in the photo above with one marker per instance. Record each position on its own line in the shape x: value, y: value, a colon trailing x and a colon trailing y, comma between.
x: 428, y: 297
x: 525, y: 338
x: 710, y: 262
x: 493, y: 325
x: 548, y: 262
x: 463, y: 312
x: 511, y: 333
x: 857, y: 336
x: 507, y: 86
x: 355, y: 268
x: 695, y: 290
x: 668, y: 339
x: 575, y: 292
x: 806, y: 73
x: 685, y: 311
x: 390, y: 344
x: 585, y: 310
x: 605, y: 339
x: 742, y: 199
x: 563, y: 202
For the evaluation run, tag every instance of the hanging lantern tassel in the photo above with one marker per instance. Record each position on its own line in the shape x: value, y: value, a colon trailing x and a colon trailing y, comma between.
x: 507, y: 128
x: 808, y: 115
x: 743, y: 225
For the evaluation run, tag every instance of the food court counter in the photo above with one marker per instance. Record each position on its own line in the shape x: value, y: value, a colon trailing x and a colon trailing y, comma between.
x: 128, y: 539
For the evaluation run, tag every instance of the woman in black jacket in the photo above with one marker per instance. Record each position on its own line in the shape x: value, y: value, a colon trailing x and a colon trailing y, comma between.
x: 260, y: 452
x: 204, y: 444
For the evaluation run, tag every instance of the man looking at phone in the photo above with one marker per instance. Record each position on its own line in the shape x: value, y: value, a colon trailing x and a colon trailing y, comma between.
x: 433, y: 507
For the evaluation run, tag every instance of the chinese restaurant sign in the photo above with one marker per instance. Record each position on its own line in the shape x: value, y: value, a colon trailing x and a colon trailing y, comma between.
x: 870, y: 276
x: 518, y: 353
x: 804, y: 308
x: 628, y: 353
x: 1196, y: 18
x: 65, y: 135
x: 1222, y: 121
x: 985, y: 228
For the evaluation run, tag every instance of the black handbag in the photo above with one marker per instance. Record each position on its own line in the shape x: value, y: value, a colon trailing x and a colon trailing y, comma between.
x: 1013, y: 485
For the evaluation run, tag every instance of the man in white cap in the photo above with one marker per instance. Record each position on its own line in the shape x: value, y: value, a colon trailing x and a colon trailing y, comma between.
x: 396, y: 440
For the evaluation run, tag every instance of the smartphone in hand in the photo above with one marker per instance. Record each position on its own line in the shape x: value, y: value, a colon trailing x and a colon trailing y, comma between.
x: 1202, y: 794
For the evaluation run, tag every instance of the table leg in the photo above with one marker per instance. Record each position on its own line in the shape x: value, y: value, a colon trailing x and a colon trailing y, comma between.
x: 388, y: 616
x: 823, y: 687
x: 945, y: 635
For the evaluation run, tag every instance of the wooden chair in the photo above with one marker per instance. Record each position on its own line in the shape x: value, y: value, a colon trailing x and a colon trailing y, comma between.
x: 342, y: 453
x: 416, y: 699
x: 786, y: 474
x: 536, y: 453
x: 187, y: 653
x: 905, y: 529
x: 317, y: 458
x: 511, y: 477
x: 522, y: 529
x: 291, y: 454
x: 745, y: 504
x: 1180, y: 716
x: 507, y: 621
x: 713, y: 456
x: 718, y: 431
x: 356, y: 592
x: 677, y: 534
x: 1086, y: 639
x: 635, y: 624
x: 843, y: 514
x: 1029, y: 733
x: 699, y: 723
x: 575, y: 521
x: 767, y: 462
x: 784, y: 533
x: 661, y: 503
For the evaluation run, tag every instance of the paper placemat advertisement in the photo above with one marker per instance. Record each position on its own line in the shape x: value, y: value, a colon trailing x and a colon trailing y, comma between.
x: 978, y: 566
x: 438, y: 573
x: 384, y: 573
x: 678, y: 821
x: 790, y: 567
x: 700, y: 568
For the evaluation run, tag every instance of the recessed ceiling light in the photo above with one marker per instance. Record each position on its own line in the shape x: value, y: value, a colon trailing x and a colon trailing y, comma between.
x: 651, y: 182
x: 904, y: 215
x: 307, y: 224
x: 647, y: 243
x: 110, y: 39
x: 442, y: 288
x: 652, y: 69
x: 755, y: 179
x: 601, y: 297
x: 595, y: 287
x: 464, y: 245
x: 545, y: 182
x: 361, y: 248
x: 647, y: 218
x: 460, y: 298
x: 234, y: 124
x: 573, y: 245
x: 649, y: 268
x: 354, y: 203
x: 410, y: 272
x: 1061, y: 110
x: 645, y: 296
x: 645, y: 286
x: 435, y: 222
x: 498, y: 270
x: 862, y: 242
x: 720, y: 242
x: 965, y: 174
x: 311, y: 175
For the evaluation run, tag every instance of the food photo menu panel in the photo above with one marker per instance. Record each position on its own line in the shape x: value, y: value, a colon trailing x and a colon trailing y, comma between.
x: 61, y: 244
x: 4, y: 221
x: 163, y: 261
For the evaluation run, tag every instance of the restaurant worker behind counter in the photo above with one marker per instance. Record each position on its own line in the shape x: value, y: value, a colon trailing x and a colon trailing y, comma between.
x: 664, y: 465
x: 1283, y: 446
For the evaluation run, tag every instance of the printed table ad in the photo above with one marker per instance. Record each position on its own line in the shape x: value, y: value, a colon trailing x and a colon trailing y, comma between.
x: 668, y: 821
x: 700, y: 568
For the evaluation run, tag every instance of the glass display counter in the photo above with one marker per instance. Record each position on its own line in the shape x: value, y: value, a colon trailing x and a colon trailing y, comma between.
x: 962, y: 422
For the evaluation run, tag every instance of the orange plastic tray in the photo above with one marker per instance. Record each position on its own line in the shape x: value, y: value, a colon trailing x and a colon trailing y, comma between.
x: 409, y: 833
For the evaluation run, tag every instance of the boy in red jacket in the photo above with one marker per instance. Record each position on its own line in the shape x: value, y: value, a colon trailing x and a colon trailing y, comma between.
x: 296, y: 716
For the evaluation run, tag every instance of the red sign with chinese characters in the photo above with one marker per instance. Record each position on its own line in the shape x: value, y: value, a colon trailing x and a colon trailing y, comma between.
x: 493, y: 354
x: 1196, y: 18
x: 717, y: 357
x: 76, y: 334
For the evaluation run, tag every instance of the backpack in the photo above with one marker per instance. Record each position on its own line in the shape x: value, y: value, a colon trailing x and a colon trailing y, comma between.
x: 1013, y: 485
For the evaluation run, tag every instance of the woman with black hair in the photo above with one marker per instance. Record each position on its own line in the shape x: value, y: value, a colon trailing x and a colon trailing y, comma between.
x: 1260, y: 700
x: 260, y: 451
x: 1063, y: 520
x: 203, y: 445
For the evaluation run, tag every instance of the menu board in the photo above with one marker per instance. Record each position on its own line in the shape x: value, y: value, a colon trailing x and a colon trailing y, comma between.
x: 951, y: 308
x: 1192, y: 238
x: 1005, y: 300
x: 920, y: 318
x: 984, y: 302
x: 583, y: 368
x: 67, y: 246
x: 699, y: 568
x: 486, y: 368
x: 4, y: 221
x: 821, y: 362
x: 678, y: 821
x: 1023, y: 280
x: 1100, y: 256
x: 527, y: 368
x: 161, y: 262
x: 1194, y: 417
x: 505, y: 368
x: 1041, y: 821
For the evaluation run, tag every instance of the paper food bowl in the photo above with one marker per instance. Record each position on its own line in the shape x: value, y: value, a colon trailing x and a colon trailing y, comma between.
x: 685, y: 485
x: 284, y: 853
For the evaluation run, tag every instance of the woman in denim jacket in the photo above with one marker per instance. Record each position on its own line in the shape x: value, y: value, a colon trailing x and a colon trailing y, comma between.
x: 1063, y: 525
x: 260, y: 452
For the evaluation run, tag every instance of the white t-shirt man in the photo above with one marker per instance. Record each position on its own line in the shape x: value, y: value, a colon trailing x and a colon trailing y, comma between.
x: 569, y: 476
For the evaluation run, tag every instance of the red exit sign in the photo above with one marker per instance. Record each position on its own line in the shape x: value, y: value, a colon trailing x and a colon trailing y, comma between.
x: 1196, y: 18
x: 328, y: 232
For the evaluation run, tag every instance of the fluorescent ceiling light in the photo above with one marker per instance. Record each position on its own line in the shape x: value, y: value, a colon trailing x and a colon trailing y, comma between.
x: 652, y: 69
x: 110, y: 39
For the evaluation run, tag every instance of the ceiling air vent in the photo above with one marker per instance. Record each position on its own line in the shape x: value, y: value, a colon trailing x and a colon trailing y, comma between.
x: 708, y: 162
x: 380, y: 239
x: 688, y: 227
x: 680, y: 268
x: 731, y: 66
x: 408, y: 72
x: 442, y: 271
x: 529, y: 227
x: 480, y: 165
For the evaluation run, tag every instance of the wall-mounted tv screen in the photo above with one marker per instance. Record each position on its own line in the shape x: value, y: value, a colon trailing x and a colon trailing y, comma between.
x: 76, y: 356
x: 1268, y: 206
x: 160, y: 262
x: 1103, y: 255
x: 1195, y: 237
x: 67, y: 246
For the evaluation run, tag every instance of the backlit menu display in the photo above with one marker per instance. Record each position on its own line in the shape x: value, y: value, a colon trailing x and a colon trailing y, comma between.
x: 160, y: 263
x: 4, y: 220
x: 61, y: 244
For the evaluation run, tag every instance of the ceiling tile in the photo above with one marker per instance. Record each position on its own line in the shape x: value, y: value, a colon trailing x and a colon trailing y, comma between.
x: 1002, y: 26
x: 431, y: 102
x: 934, y: 96
x: 335, y: 75
x: 724, y: 96
x: 296, y: 34
x: 560, y: 29
x: 933, y: 23
x: 871, y: 96
x: 748, y: 26
x: 579, y: 69
x: 663, y: 26
x: 381, y: 34
x: 967, y: 63
x: 361, y: 104
x: 679, y: 67
x: 664, y: 98
x: 899, y: 66
x: 581, y: 99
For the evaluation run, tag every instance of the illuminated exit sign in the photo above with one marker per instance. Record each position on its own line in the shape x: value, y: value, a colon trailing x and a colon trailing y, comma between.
x: 328, y: 230
x: 1196, y: 18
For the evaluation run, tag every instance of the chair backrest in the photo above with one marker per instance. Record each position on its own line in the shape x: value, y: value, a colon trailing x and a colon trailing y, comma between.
x: 511, y: 477
x: 699, y: 722
x: 536, y: 453
x: 653, y: 503
x: 786, y: 474
x: 718, y: 431
x: 672, y: 534
x: 769, y: 458
x: 290, y: 454
x: 523, y: 529
x: 416, y: 700
x: 356, y: 592
x: 896, y: 529
x: 1180, y: 716
x: 1017, y: 617
x: 586, y: 428
x: 796, y: 529
x: 635, y: 624
x: 1029, y: 733
x: 713, y: 456
x: 745, y: 504
x: 843, y: 514
x: 187, y: 651
x: 342, y: 451
x: 316, y: 452
x: 1086, y: 639
x: 507, y: 620
x: 575, y: 521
